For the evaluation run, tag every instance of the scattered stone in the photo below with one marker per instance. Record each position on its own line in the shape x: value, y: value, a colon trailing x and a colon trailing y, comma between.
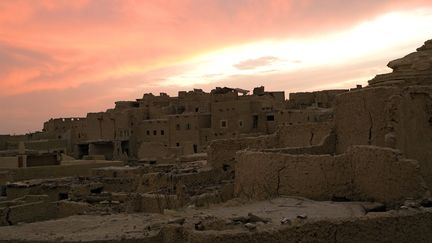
x: 253, y: 218
x: 191, y: 206
x: 411, y: 204
x: 302, y: 216
x: 250, y: 226
x: 260, y: 223
x: 285, y: 221
x: 427, y: 202
x: 177, y: 221
x: 241, y: 219
x: 199, y: 226
x: 374, y: 207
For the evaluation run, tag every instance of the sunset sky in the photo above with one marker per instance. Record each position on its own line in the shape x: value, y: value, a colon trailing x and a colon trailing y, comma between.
x: 64, y: 58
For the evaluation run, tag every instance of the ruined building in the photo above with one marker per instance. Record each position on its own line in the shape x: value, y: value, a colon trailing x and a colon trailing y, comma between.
x: 162, y: 128
x: 328, y: 166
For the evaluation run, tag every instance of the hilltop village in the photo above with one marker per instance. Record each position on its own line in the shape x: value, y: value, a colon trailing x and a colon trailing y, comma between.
x: 162, y: 128
x: 232, y: 166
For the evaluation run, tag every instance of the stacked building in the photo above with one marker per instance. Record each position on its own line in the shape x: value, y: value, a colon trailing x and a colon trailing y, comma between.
x: 158, y: 128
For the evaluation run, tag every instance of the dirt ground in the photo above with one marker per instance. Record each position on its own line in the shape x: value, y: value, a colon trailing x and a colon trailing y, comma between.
x: 234, y: 217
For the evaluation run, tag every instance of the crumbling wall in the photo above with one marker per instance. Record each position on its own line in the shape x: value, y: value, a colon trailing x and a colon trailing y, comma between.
x: 32, y: 208
x: 221, y: 153
x: 105, y: 148
x: 409, y: 118
x: 71, y: 169
x: 46, y: 159
x: 265, y: 175
x: 302, y: 135
x: 156, y: 151
x: 151, y: 182
x: 47, y: 145
x: 383, y: 174
x: 327, y: 146
x: 389, y: 117
x: 366, y: 173
x: 360, y: 117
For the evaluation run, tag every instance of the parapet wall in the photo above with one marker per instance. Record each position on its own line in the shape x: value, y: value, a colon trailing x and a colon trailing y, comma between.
x: 54, y: 171
x: 221, y: 153
x: 363, y: 173
x: 303, y: 135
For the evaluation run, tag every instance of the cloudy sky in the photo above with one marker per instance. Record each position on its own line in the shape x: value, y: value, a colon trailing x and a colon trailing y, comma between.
x: 63, y: 58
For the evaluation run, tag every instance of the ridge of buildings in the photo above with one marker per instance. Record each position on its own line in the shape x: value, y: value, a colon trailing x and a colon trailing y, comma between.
x: 159, y: 127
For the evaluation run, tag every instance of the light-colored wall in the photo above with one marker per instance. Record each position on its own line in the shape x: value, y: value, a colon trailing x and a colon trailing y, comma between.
x: 363, y: 173
x: 360, y: 117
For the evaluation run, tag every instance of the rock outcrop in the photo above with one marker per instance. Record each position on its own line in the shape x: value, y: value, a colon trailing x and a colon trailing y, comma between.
x: 415, y: 68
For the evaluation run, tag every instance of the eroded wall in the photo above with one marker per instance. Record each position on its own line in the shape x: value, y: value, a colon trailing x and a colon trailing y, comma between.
x: 360, y: 117
x: 221, y: 153
x: 410, y: 126
x: 362, y: 173
x: 395, y: 117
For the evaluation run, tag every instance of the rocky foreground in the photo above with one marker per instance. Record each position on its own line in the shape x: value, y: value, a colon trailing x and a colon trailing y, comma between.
x: 277, y: 220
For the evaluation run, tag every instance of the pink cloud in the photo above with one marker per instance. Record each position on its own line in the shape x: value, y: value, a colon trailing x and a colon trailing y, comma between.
x: 254, y: 63
x: 61, y: 47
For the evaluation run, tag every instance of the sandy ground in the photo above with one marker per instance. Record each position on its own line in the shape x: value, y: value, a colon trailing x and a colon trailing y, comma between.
x: 264, y: 214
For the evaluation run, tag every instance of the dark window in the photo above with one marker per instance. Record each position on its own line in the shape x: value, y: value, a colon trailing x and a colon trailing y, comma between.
x: 148, y: 132
x: 240, y: 123
x: 154, y: 132
x: 162, y: 132
x: 195, y: 148
x: 98, y: 190
x: 224, y: 123
x: 188, y: 126
x: 225, y: 167
x: 271, y: 118
x: 20, y: 161
x: 177, y: 144
x: 196, y: 109
x: 63, y: 196
x: 255, y: 121
x: 177, y: 126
